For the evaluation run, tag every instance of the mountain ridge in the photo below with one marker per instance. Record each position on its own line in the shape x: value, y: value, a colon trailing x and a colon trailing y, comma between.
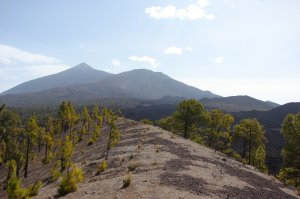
x: 238, y: 103
x: 138, y: 83
x: 79, y: 74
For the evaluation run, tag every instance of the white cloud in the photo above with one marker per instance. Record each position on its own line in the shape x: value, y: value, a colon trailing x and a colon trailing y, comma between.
x: 17, y: 66
x: 173, y: 51
x: 146, y: 59
x: 191, y: 12
x: 12, y: 55
x: 220, y: 60
x: 116, y: 62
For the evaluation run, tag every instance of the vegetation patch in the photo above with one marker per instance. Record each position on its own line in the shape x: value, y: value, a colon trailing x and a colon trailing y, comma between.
x: 69, y: 182
x: 101, y: 167
x: 126, y: 180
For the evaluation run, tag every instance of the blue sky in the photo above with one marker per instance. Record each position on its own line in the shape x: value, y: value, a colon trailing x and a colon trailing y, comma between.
x: 230, y: 47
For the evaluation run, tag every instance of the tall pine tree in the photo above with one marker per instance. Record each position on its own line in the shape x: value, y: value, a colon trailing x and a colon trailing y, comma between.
x: 290, y: 171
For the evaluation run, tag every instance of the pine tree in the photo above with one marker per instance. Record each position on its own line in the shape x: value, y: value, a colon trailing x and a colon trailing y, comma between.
x: 40, y: 136
x: 252, y: 135
x: 66, y: 115
x: 48, y: 140
x: 31, y: 131
x: 85, y: 118
x: 259, y: 162
x: 95, y: 114
x: 67, y: 151
x: 189, y: 116
x: 114, y: 134
x: 13, y: 189
x: 218, y: 133
x: 10, y: 134
x: 290, y: 171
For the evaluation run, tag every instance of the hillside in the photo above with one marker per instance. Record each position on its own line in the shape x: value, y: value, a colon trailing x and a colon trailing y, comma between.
x: 162, y: 166
x: 238, y: 103
x: 79, y: 74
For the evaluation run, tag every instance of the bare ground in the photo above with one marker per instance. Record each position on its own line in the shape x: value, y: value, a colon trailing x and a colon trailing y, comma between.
x: 161, y: 165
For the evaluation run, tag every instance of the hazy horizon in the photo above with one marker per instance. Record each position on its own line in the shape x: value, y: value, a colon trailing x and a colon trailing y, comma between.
x: 228, y: 47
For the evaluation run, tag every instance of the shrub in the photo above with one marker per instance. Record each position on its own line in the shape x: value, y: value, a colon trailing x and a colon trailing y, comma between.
x: 91, y: 141
x: 69, y: 182
x: 195, y: 137
x: 235, y: 155
x: 289, y: 176
x: 34, y: 189
x: 146, y: 121
x: 14, y: 189
x: 54, y: 172
x: 126, y: 180
x: 101, y: 167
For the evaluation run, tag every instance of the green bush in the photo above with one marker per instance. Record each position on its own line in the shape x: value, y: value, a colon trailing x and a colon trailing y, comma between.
x: 195, y: 137
x: 101, y: 167
x: 91, y: 141
x: 288, y: 175
x: 54, y: 172
x: 146, y: 121
x: 34, y: 189
x: 69, y: 182
x: 126, y: 180
x: 236, y: 156
x: 14, y: 189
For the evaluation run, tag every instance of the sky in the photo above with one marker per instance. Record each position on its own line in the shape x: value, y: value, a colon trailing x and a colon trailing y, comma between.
x: 229, y: 47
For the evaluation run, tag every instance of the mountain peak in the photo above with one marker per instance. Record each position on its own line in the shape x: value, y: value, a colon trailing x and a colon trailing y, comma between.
x: 83, y: 66
x: 79, y: 74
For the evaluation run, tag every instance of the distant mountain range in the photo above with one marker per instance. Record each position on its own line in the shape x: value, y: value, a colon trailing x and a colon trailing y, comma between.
x: 238, y: 103
x: 271, y: 119
x: 82, y: 82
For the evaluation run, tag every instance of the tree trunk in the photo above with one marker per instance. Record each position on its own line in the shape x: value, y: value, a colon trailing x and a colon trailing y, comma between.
x: 185, y: 133
x: 46, y: 152
x: 108, y: 145
x: 244, y: 151
x: 27, y: 157
x: 39, y: 144
x: 250, y: 146
x: 18, y: 169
